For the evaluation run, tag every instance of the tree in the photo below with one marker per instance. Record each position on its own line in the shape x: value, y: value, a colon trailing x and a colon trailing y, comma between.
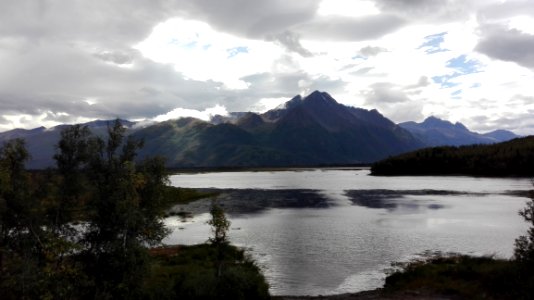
x: 14, y: 213
x: 220, y: 225
x: 72, y: 156
x: 125, y: 216
x: 524, y: 245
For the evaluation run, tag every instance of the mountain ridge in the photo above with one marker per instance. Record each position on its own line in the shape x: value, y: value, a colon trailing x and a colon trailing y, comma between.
x: 311, y: 130
x: 437, y: 132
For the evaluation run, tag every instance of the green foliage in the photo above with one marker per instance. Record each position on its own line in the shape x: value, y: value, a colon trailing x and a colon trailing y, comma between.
x: 190, y: 272
x: 462, y: 277
x: 512, y: 158
x: 524, y: 245
x: 219, y: 225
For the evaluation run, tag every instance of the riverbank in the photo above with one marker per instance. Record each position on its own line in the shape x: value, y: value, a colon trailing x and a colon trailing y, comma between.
x: 378, y: 294
x: 448, y: 277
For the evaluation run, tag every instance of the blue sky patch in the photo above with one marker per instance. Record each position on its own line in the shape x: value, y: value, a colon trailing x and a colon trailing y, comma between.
x: 463, y: 65
x: 444, y: 80
x: 235, y: 51
x: 433, y: 42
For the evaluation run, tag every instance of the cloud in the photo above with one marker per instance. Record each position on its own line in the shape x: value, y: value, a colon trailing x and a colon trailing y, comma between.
x: 384, y: 92
x: 205, y: 115
x: 69, y: 61
x: 116, y: 57
x: 372, y: 51
x: 251, y: 19
x: 428, y: 10
x: 507, y: 45
x: 423, y: 82
x: 392, y: 101
x: 506, y: 9
x: 291, y: 42
x: 339, y: 28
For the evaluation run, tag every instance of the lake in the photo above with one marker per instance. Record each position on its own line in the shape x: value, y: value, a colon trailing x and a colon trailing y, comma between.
x: 331, y: 231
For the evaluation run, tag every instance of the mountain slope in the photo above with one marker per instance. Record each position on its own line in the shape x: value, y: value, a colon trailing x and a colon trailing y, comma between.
x: 436, y: 132
x: 315, y: 130
x: 41, y: 142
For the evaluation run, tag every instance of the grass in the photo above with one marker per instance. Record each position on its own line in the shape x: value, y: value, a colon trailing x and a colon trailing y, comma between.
x: 463, y: 277
x: 192, y: 272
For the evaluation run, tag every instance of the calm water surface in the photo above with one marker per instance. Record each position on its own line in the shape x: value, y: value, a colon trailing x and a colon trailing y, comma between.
x: 333, y: 231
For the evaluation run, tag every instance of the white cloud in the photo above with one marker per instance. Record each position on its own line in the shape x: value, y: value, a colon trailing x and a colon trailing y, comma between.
x: 199, y: 52
x: 82, y: 60
x: 205, y: 115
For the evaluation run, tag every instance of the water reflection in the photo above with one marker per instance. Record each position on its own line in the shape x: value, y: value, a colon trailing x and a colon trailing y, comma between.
x: 250, y: 201
x: 407, y: 200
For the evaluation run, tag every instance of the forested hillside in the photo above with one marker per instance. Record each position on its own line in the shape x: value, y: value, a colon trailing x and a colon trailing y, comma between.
x: 512, y: 158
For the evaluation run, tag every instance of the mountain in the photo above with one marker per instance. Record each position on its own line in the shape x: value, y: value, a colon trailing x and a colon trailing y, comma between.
x: 312, y: 130
x: 436, y: 132
x: 41, y: 142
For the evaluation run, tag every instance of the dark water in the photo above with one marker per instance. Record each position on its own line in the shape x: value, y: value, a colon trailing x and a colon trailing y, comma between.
x: 332, y: 231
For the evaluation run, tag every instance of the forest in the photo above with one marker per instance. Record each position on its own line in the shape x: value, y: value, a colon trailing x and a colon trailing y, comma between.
x: 512, y: 158
x: 92, y: 227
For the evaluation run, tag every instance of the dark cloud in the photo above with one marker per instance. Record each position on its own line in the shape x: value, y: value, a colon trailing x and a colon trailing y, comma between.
x: 338, y: 28
x: 104, y: 23
x: 506, y: 9
x: 253, y: 19
x: 428, y: 10
x: 291, y: 42
x: 507, y: 44
x: 116, y: 57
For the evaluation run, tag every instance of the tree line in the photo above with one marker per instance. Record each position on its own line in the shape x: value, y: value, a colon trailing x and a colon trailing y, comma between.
x: 512, y: 158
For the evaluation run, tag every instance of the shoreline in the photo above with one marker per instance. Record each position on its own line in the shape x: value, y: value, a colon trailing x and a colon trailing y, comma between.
x: 194, y: 170
x: 376, y: 294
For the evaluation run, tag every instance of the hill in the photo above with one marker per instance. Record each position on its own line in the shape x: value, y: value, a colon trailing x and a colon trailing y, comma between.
x: 512, y: 158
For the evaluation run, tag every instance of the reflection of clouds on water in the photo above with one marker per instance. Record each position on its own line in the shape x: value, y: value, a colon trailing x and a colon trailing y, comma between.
x: 402, y: 201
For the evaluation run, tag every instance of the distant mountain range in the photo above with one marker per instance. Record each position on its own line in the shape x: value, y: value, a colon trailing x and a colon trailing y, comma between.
x: 436, y: 132
x: 311, y: 130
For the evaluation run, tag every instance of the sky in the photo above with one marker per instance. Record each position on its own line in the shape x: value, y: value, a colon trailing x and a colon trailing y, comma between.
x: 74, y: 61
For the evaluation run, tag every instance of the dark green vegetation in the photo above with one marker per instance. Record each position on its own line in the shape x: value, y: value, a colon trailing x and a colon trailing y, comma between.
x: 512, y: 158
x: 190, y: 272
x: 464, y: 277
x: 83, y: 230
